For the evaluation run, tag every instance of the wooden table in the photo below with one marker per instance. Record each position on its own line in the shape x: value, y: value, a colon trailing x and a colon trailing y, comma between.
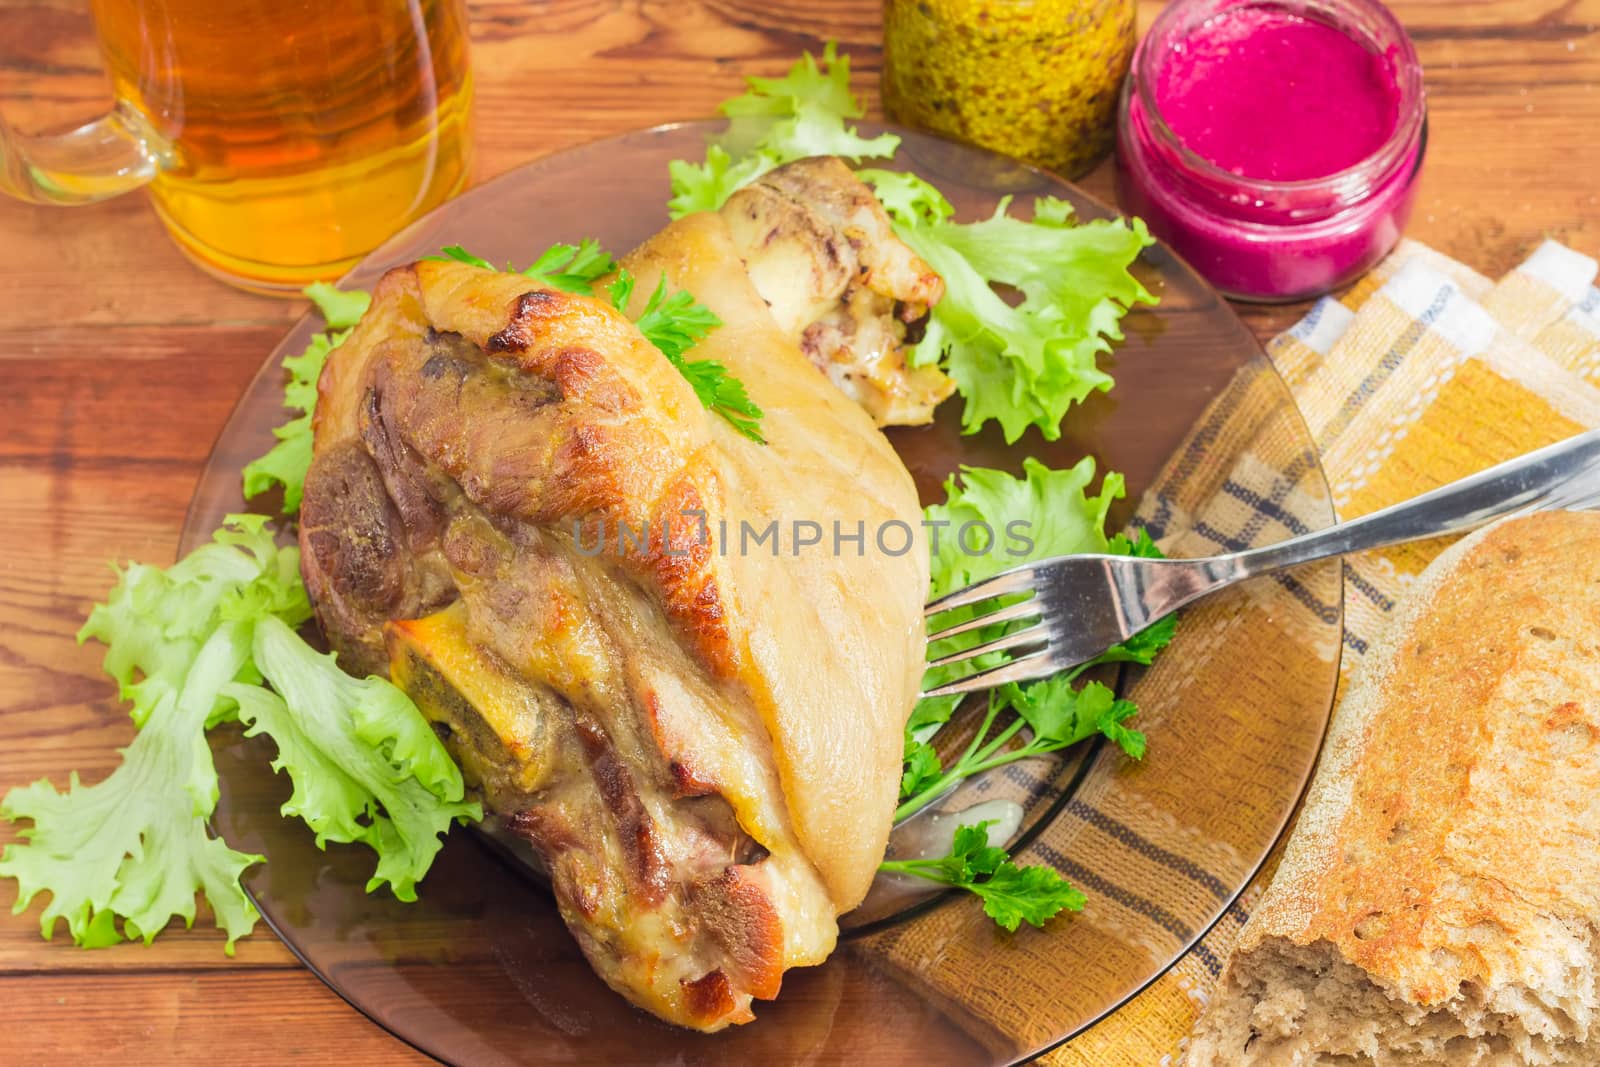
x: 119, y: 362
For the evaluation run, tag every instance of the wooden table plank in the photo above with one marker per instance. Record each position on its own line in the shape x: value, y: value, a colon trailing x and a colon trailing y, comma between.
x: 119, y: 363
x: 137, y: 1017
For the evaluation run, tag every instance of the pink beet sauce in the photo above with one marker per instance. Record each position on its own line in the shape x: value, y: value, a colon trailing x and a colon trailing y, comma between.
x: 1274, y: 146
x: 1270, y: 94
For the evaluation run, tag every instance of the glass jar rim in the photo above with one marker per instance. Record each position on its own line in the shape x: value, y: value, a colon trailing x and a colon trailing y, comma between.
x: 1410, y: 110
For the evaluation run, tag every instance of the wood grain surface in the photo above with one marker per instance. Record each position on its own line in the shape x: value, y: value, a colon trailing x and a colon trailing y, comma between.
x: 119, y: 362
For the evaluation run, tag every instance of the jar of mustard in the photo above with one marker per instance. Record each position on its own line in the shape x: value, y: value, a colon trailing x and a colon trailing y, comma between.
x: 1036, y: 79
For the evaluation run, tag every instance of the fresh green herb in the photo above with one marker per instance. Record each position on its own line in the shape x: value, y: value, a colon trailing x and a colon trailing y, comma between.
x: 1011, y: 894
x: 921, y: 765
x: 1140, y: 544
x: 288, y: 460
x: 1057, y: 716
x: 921, y: 770
x: 573, y: 268
x: 1142, y: 647
x: 620, y: 291
x: 190, y: 647
x: 1052, y: 513
x: 675, y: 324
x: 1059, y: 517
x: 777, y: 121
x: 570, y: 268
x: 1022, y: 364
x: 461, y: 255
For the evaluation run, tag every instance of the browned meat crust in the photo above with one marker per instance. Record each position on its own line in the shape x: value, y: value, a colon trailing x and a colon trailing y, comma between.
x: 479, y: 444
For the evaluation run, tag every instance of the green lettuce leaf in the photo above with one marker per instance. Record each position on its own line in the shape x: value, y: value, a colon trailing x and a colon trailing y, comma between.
x: 190, y: 646
x: 134, y: 847
x: 1022, y: 364
x: 707, y: 186
x: 1051, y: 512
x: 288, y: 460
x: 154, y: 621
x: 340, y: 309
x: 777, y: 121
x: 1044, y: 513
x: 365, y: 764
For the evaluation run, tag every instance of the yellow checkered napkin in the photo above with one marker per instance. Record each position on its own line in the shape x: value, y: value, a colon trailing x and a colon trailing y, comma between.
x: 1422, y: 373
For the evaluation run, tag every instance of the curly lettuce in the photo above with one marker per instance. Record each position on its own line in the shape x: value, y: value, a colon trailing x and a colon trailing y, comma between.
x: 1026, y: 363
x: 1043, y: 513
x: 366, y: 766
x: 778, y: 120
x: 286, y: 463
x: 191, y: 646
x: 1022, y: 363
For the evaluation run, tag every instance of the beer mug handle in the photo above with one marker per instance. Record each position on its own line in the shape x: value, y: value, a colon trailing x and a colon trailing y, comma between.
x: 107, y: 157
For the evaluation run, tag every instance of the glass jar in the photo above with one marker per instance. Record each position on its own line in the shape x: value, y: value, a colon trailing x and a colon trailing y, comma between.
x: 1035, y: 79
x: 1260, y: 239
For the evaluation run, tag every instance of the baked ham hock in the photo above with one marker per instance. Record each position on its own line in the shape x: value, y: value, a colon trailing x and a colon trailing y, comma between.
x: 698, y: 729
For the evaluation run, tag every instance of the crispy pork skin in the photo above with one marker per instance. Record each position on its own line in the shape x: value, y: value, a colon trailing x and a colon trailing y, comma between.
x: 698, y: 728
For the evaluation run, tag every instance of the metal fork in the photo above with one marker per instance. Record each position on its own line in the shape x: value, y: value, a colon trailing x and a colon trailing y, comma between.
x: 1080, y: 606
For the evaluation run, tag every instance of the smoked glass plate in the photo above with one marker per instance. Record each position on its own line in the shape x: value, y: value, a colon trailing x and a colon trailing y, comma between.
x: 480, y: 970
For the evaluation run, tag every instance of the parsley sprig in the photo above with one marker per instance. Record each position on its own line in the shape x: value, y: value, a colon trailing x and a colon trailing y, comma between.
x: 570, y: 268
x: 1057, y: 717
x: 674, y: 324
x: 1035, y: 718
x: 1011, y: 894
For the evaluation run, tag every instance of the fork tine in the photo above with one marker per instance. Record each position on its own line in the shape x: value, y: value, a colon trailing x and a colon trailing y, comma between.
x: 1027, y: 609
x: 1016, y: 580
x: 1028, y: 635
x: 1022, y: 669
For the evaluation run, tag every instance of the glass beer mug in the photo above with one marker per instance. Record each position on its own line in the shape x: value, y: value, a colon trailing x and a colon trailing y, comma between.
x: 281, y: 140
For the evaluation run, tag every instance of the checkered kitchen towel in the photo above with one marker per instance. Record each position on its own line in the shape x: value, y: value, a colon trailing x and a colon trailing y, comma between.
x: 1422, y: 373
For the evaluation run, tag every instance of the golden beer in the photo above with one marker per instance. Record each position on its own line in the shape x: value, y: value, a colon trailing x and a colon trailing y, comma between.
x: 293, y: 136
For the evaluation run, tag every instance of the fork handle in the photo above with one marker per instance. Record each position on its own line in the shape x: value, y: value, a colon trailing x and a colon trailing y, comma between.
x: 1527, y: 482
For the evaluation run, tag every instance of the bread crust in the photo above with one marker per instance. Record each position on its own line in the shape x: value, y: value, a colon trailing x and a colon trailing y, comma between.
x: 1447, y: 848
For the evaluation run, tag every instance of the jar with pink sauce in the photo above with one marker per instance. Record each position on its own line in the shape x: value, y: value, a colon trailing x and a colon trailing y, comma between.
x: 1274, y: 145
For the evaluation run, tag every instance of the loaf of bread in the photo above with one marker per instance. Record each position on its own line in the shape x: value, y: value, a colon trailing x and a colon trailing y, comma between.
x: 1439, y: 900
